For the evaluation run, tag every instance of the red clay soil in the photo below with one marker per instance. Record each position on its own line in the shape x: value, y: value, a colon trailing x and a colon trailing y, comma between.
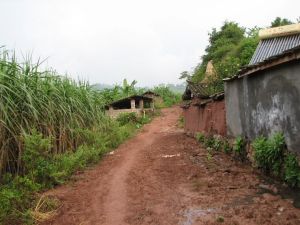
x: 160, y: 177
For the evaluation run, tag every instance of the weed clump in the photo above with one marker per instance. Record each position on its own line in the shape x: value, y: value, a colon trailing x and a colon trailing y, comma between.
x: 268, y: 153
x: 271, y: 157
x: 291, y: 170
x: 239, y: 148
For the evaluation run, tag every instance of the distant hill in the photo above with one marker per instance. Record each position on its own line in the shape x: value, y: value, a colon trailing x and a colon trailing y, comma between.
x: 99, y: 86
x: 177, y: 88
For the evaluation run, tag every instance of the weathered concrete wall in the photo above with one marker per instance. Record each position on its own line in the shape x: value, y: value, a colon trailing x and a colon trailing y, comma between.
x: 264, y: 103
x: 209, y: 119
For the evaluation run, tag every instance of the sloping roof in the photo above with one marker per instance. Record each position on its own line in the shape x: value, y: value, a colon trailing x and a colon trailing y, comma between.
x: 274, y: 46
x: 285, y: 57
x: 197, y: 89
x: 150, y: 93
x: 280, y: 31
x: 135, y: 97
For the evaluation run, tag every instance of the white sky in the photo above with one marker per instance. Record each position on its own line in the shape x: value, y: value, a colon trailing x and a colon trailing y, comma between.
x: 104, y: 41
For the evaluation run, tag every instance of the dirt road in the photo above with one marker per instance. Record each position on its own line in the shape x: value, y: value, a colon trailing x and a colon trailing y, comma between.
x: 163, y: 177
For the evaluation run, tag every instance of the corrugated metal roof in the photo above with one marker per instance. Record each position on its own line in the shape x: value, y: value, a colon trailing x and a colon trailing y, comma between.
x: 274, y: 46
x: 284, y: 57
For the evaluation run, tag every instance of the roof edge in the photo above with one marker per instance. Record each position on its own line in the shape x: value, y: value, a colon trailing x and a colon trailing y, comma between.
x: 287, y: 56
x: 279, y: 31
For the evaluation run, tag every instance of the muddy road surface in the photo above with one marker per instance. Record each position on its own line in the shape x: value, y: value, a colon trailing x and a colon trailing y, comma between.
x: 163, y: 177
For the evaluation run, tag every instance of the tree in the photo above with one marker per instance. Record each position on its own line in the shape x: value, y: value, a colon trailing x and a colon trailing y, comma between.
x: 280, y: 22
x: 229, y: 48
x: 128, y: 89
x: 185, y: 75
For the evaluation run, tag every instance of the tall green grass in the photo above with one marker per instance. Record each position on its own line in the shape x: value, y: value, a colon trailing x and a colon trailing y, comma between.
x: 50, y: 127
x: 55, y: 106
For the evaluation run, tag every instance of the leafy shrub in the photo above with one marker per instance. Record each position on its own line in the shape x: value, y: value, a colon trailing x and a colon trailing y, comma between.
x: 218, y: 143
x: 239, y: 148
x: 125, y: 118
x: 37, y: 158
x: 291, y: 170
x: 200, y: 137
x: 226, y: 147
x: 268, y: 153
x: 169, y: 97
x: 16, y: 197
x: 209, y: 141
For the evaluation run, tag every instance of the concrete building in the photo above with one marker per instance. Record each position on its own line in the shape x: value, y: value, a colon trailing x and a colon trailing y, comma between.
x: 263, y: 98
x: 136, y: 103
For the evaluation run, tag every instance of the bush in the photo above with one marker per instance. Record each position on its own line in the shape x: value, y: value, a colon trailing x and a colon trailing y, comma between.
x: 239, y: 148
x: 37, y: 158
x: 268, y: 153
x: 169, y: 97
x: 226, y: 147
x: 209, y: 141
x: 270, y: 156
x: 125, y: 118
x: 200, y: 137
x: 291, y: 170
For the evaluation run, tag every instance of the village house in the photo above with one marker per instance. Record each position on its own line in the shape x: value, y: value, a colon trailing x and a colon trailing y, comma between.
x: 263, y: 97
x: 202, y: 111
x: 156, y: 97
x: 138, y: 104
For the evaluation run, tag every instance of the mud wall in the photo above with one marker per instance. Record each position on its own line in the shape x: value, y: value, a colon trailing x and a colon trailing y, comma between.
x: 264, y: 103
x: 209, y: 118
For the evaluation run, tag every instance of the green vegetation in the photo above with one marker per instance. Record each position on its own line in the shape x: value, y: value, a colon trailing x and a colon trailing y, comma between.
x: 216, y: 143
x: 280, y: 22
x: 51, y: 126
x: 239, y: 148
x: 270, y: 154
x: 220, y: 219
x: 291, y: 170
x: 169, y: 98
x: 271, y: 157
x: 132, y: 118
x: 230, y: 48
x: 181, y: 122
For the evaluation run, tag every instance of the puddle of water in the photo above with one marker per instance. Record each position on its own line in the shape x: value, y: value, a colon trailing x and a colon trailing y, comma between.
x: 171, y: 156
x: 192, y: 214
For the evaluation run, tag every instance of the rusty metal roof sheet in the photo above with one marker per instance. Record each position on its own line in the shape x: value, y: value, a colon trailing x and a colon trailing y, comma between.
x: 274, y: 46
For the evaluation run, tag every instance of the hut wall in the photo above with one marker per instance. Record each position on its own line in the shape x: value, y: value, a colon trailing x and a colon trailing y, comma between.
x: 264, y: 103
x: 209, y: 119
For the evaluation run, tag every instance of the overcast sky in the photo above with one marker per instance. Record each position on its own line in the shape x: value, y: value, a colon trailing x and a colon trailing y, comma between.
x: 104, y: 41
